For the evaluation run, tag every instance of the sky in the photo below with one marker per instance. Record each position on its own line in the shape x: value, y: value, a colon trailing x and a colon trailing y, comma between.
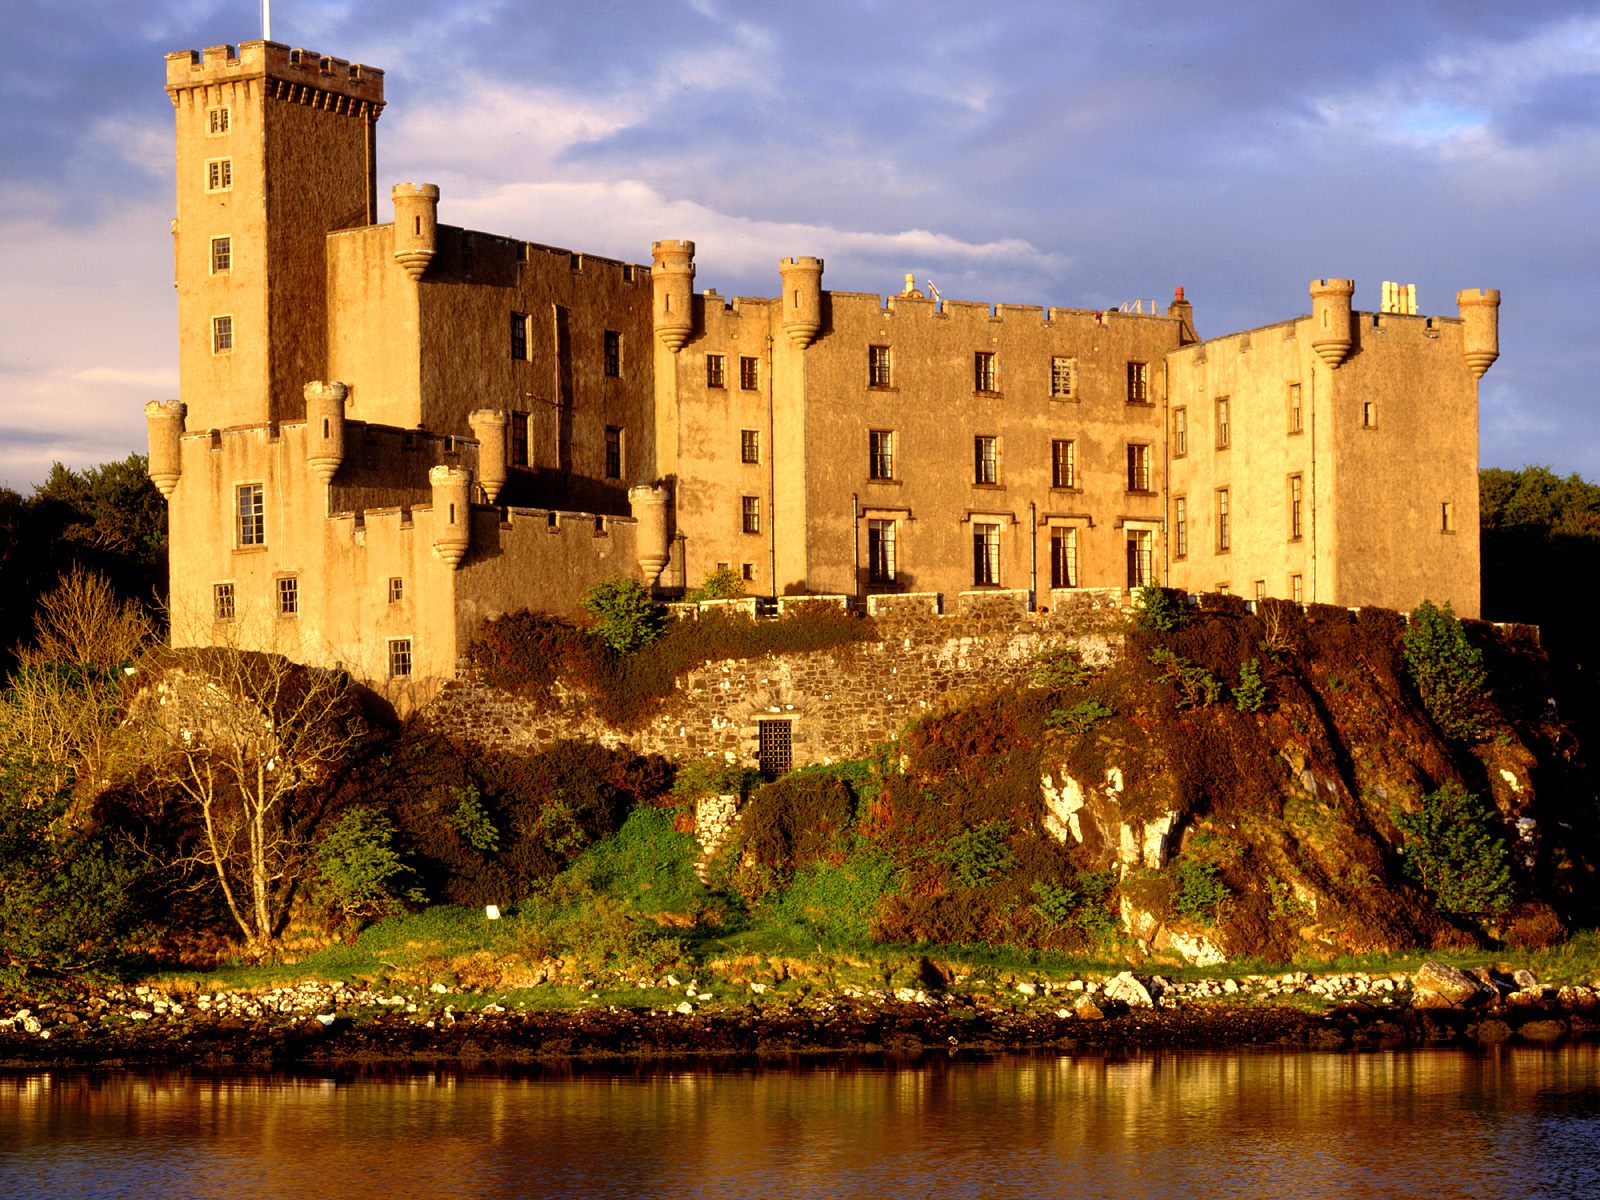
x: 1065, y: 153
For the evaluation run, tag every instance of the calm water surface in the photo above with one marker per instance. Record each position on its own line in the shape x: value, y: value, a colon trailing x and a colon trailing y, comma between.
x: 1517, y: 1122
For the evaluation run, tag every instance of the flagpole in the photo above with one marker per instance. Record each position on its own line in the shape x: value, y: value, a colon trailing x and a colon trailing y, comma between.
x: 266, y: 20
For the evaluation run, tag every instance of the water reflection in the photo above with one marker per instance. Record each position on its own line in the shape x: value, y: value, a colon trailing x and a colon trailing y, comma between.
x: 1520, y: 1122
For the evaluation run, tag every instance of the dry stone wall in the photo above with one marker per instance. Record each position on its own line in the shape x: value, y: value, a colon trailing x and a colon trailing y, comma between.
x: 838, y: 702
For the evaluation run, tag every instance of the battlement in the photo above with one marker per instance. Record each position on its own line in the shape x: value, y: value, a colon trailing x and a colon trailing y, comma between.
x: 276, y: 62
x: 863, y: 304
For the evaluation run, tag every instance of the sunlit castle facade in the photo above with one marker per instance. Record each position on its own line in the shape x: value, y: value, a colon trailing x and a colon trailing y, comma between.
x: 387, y: 433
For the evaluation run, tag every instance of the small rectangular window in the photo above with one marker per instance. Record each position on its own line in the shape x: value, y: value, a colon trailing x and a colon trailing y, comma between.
x: 613, y: 354
x: 519, y: 336
x: 288, y: 596
x: 880, y: 454
x: 1297, y: 588
x: 1369, y: 414
x: 222, y: 601
x: 1141, y: 558
x: 985, y: 460
x: 217, y: 122
x: 1063, y: 463
x: 983, y: 371
x: 219, y: 175
x: 749, y: 373
x: 399, y: 658
x: 221, y: 335
x: 881, y: 564
x: 1063, y: 377
x: 221, y: 255
x: 1296, y: 508
x: 985, y: 554
x: 519, y: 439
x: 1224, y: 424
x: 613, y: 452
x: 747, y: 572
x: 1138, y: 383
x: 716, y: 369
x: 1447, y: 517
x: 250, y: 505
x: 878, y: 375
x: 1139, y: 467
x: 397, y: 589
x: 1224, y: 522
x: 1180, y: 432
x: 1180, y: 527
x: 750, y: 514
x: 1296, y: 418
x: 1064, y: 556
x: 749, y: 445
x: 1261, y: 590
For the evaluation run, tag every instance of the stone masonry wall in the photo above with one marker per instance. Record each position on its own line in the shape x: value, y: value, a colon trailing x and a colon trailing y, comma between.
x: 840, y: 702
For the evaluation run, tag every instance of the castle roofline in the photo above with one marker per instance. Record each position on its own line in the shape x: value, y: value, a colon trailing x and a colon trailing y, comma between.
x: 274, y: 61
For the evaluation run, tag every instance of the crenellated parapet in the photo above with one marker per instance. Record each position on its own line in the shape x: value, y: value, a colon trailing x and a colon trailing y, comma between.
x: 298, y: 76
x: 1480, y: 333
x: 164, y: 420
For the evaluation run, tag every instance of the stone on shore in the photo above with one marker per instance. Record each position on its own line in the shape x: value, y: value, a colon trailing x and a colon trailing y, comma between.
x: 1453, y: 986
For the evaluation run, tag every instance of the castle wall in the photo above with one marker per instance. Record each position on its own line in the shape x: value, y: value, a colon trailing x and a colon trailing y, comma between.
x: 374, y: 346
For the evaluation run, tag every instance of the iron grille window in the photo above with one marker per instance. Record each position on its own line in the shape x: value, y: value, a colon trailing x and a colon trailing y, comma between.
x: 251, y: 506
x: 1063, y: 377
x: 774, y: 747
x: 985, y: 554
x: 881, y: 551
x: 716, y: 369
x: 983, y: 372
x: 1063, y: 464
x: 880, y: 450
x: 749, y: 373
x: 613, y: 452
x: 1064, y: 557
x: 749, y: 445
x: 613, y: 354
x: 985, y: 460
x: 878, y: 375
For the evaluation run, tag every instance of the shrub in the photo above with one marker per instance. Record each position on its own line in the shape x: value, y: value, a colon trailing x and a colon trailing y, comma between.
x: 1078, y: 905
x: 1160, y: 609
x: 360, y: 871
x: 1454, y: 848
x: 722, y: 584
x: 647, y: 865
x: 627, y: 617
x: 1063, y: 669
x: 1200, y: 891
x: 1250, y: 694
x: 982, y: 854
x: 1080, y: 718
x: 1194, y: 684
x: 839, y: 902
x: 787, y: 825
x: 472, y: 822
x: 1447, y: 671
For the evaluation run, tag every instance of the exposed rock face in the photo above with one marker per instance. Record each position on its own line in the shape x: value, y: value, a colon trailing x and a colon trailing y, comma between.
x: 1447, y: 983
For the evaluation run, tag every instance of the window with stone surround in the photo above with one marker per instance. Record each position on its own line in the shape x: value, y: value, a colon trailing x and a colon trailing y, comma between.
x: 985, y: 460
x: 613, y: 354
x: 613, y: 463
x: 250, y: 507
x: 221, y: 255
x: 880, y: 454
x: 749, y: 373
x: 1064, y: 556
x: 1139, y: 467
x: 1138, y: 383
x: 749, y: 445
x: 1224, y: 521
x: 222, y: 601
x: 1063, y: 463
x: 878, y: 370
x: 219, y: 175
x: 881, y: 563
x: 1224, y: 423
x: 1180, y: 432
x: 288, y: 596
x: 399, y: 658
x: 519, y: 336
x: 716, y: 370
x: 985, y: 377
x: 985, y: 554
x: 750, y: 514
x: 1180, y: 527
x: 221, y: 335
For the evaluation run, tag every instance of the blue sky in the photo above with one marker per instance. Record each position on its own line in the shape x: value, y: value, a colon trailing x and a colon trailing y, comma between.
x: 1032, y: 153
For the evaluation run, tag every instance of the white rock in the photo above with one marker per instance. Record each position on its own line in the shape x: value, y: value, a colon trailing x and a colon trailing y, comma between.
x: 1130, y: 991
x: 438, y: 989
x: 758, y: 988
x: 685, y: 1008
x: 1027, y: 989
x: 326, y: 1018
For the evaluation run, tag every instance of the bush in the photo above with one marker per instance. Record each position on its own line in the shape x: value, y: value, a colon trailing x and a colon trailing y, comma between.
x: 1250, y: 694
x: 647, y: 865
x: 627, y: 617
x: 1455, y: 849
x: 722, y: 584
x: 981, y: 855
x: 1200, y: 891
x: 360, y: 871
x: 1080, y: 905
x: 472, y: 822
x: 1447, y: 671
x: 1080, y: 718
x: 1160, y: 609
x: 1194, y: 684
x: 1063, y: 669
x: 839, y: 902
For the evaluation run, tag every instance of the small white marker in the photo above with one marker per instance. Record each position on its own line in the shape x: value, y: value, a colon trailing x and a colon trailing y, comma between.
x: 492, y: 911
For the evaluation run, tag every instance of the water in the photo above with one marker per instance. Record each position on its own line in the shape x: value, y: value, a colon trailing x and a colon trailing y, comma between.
x: 1516, y: 1122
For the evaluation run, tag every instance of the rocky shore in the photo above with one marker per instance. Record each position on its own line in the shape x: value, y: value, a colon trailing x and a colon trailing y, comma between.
x: 332, y: 1024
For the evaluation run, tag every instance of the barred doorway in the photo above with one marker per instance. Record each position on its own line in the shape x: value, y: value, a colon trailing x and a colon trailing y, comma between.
x: 775, y: 747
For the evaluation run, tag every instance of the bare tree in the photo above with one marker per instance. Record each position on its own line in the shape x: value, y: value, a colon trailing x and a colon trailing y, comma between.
x: 249, y: 743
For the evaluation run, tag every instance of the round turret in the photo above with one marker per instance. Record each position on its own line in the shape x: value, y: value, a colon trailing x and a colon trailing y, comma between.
x: 416, y: 226
x: 452, y: 513
x: 164, y: 419
x: 648, y: 503
x: 1480, y: 327
x: 1331, y: 335
x: 489, y: 427
x: 802, y: 299
x: 325, y: 427
x: 672, y: 281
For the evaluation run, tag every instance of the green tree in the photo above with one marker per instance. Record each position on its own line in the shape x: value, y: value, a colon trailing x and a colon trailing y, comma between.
x: 1447, y: 671
x: 361, y: 871
x: 722, y: 584
x: 1455, y: 848
x: 626, y: 616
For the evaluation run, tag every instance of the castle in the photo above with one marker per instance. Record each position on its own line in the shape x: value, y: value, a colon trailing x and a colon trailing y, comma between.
x: 388, y: 432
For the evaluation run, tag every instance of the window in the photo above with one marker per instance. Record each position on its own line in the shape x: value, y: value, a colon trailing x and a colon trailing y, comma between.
x: 985, y: 460
x: 399, y: 658
x: 1224, y: 522
x: 397, y: 589
x: 985, y: 554
x: 983, y: 373
x: 1180, y: 432
x: 1063, y: 464
x: 1180, y: 527
x: 613, y: 354
x: 716, y: 370
x: 519, y: 439
x: 519, y: 336
x: 1224, y: 427
x: 774, y: 747
x: 1369, y: 414
x: 613, y: 451
x: 747, y: 572
x: 749, y: 445
x: 880, y: 454
x: 1296, y: 419
x: 750, y: 514
x: 880, y: 551
x: 1261, y: 590
x: 288, y: 596
x: 1141, y: 558
x: 221, y: 335
x: 1138, y: 467
x: 217, y: 121
x: 1138, y: 383
x: 251, y: 508
x: 878, y: 367
x: 1297, y: 588
x: 1447, y: 517
x: 1064, y: 556
x: 222, y: 601
x: 219, y: 175
x: 749, y: 373
x: 1296, y: 508
x: 221, y: 255
x: 1063, y: 377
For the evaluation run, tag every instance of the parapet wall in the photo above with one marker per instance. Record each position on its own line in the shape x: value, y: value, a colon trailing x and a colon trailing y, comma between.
x: 841, y: 702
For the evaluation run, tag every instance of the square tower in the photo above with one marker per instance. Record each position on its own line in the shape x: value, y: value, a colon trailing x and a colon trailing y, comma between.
x: 275, y: 149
